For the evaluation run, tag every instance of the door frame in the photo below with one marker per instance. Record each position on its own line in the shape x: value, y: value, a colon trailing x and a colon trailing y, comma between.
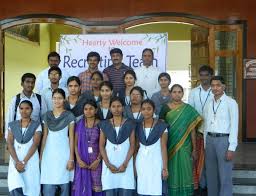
x: 119, y: 26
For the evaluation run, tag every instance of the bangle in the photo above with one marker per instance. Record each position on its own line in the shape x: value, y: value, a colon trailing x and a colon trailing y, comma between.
x: 165, y: 169
x: 71, y: 161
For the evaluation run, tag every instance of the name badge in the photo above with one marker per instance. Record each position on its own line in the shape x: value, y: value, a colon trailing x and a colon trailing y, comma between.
x: 117, y: 148
x: 90, y: 150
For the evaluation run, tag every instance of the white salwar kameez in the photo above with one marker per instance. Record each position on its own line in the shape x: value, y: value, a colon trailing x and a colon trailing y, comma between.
x: 29, y: 180
x: 149, y: 167
x: 117, y: 155
x: 55, y: 158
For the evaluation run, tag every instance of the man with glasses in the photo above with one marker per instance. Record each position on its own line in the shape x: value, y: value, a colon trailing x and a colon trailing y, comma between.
x: 199, y: 98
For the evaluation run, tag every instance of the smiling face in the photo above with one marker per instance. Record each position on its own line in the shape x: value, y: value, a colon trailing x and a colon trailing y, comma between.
x: 105, y: 92
x: 25, y: 110
x: 177, y: 94
x: 58, y: 100
x: 116, y: 108
x: 93, y: 62
x: 116, y: 58
x: 28, y: 85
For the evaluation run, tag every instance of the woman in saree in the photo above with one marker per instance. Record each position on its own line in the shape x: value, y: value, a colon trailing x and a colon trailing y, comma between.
x: 182, y: 119
x: 87, y: 180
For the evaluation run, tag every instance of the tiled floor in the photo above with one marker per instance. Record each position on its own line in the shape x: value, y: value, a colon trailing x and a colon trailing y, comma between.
x: 245, y: 157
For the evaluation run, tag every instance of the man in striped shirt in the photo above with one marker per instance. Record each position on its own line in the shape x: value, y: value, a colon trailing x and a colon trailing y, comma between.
x: 115, y: 72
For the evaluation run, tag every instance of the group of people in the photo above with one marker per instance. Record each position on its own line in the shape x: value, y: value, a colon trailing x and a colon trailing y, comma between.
x: 120, y: 132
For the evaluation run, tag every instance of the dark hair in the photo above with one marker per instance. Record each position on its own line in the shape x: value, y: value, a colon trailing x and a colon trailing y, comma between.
x: 164, y: 74
x: 27, y: 102
x: 139, y: 89
x: 27, y: 75
x: 106, y: 83
x: 55, y: 68
x: 131, y: 72
x: 177, y: 85
x: 219, y: 78
x: 99, y: 74
x: 150, y: 50
x: 92, y: 54
x: 74, y: 78
x: 116, y: 50
x: 53, y: 54
x: 206, y: 68
x: 91, y: 102
x: 113, y: 99
x: 60, y: 91
x: 150, y: 102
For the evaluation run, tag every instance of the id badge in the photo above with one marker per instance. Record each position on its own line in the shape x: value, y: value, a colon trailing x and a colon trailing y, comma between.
x: 117, y: 148
x: 90, y: 150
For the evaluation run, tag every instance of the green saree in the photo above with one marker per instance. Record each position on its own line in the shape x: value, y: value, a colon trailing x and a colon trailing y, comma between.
x: 182, y: 121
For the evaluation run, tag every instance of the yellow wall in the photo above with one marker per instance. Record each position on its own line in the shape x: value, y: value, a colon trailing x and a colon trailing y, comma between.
x: 22, y: 56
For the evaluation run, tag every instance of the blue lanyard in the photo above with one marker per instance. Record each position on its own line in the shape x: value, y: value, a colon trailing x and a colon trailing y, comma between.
x: 202, y: 105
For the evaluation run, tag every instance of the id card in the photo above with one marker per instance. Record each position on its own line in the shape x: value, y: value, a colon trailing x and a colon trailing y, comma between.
x: 117, y: 148
x: 90, y: 150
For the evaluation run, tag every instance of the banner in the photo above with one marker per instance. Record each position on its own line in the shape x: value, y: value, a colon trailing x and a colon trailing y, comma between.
x: 73, y: 50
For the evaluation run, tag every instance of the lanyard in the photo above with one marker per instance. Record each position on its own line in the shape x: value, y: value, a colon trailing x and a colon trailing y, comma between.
x: 26, y: 128
x: 88, y: 132
x: 203, y: 104
x: 127, y: 102
x: 213, y: 108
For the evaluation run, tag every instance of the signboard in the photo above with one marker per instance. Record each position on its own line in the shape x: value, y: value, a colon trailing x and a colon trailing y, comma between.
x: 73, y: 50
x: 249, y: 68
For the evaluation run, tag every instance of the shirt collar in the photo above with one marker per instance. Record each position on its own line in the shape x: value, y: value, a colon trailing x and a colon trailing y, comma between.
x: 222, y: 98
x: 200, y: 87
x: 22, y: 95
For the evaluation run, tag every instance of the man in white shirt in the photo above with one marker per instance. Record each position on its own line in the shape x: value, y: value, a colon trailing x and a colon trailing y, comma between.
x: 54, y: 75
x: 39, y: 106
x: 221, y: 132
x: 42, y: 81
x: 147, y: 75
x: 198, y: 98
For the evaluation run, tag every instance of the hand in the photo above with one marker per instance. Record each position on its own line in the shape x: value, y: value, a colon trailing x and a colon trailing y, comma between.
x: 112, y: 168
x: 94, y: 164
x: 70, y: 165
x: 82, y: 164
x: 122, y: 168
x: 230, y: 155
x: 194, y: 155
x: 20, y: 166
x: 165, y: 174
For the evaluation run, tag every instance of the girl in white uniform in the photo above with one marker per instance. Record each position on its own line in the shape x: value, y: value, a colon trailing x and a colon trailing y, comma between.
x: 23, y: 139
x: 117, y: 143
x: 57, y: 152
x: 151, y: 159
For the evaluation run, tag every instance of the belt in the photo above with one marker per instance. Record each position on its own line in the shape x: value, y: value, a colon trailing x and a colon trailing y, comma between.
x: 218, y: 134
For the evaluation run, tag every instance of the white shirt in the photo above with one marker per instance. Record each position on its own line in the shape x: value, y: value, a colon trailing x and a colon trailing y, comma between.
x: 47, y: 96
x: 198, y: 98
x: 147, y: 78
x: 222, y: 117
x: 42, y: 80
x: 36, y: 113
